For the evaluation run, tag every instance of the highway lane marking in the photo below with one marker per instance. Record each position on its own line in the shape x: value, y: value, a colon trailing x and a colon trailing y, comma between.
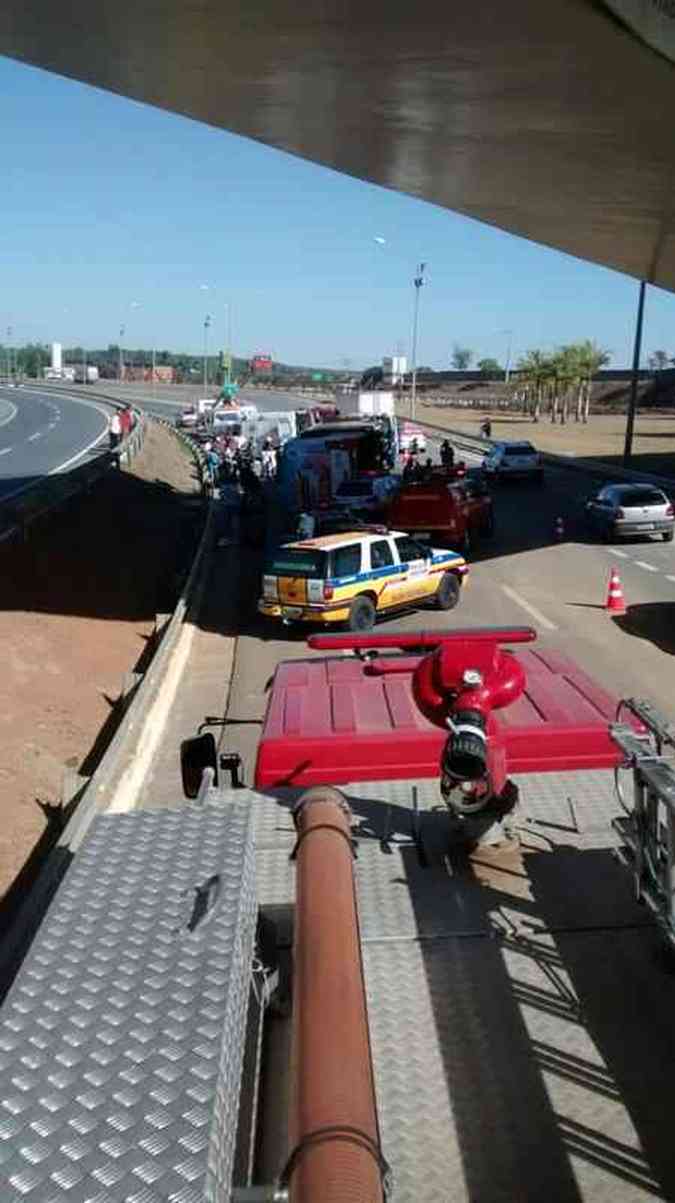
x: 623, y: 555
x: 670, y: 578
x: 531, y: 610
x: 6, y: 450
x: 33, y: 437
x: 10, y: 417
x: 643, y: 564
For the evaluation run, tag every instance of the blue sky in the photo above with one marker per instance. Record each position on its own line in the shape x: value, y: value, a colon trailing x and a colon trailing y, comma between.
x: 113, y: 213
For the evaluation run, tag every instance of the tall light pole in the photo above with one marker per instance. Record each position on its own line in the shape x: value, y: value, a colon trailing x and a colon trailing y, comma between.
x: 635, y: 376
x: 229, y: 342
x: 418, y: 282
x: 9, y: 353
x: 207, y: 323
x: 121, y: 370
x: 507, y: 372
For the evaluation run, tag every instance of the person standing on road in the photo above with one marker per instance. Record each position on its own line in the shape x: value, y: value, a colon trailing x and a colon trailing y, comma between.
x: 115, y: 431
x: 486, y: 428
x: 447, y: 454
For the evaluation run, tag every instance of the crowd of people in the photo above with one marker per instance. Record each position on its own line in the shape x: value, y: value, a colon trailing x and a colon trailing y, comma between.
x: 121, y: 424
x: 229, y: 460
x: 414, y: 469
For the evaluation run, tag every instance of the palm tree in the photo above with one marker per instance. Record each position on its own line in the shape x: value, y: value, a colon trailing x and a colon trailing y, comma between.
x: 533, y: 371
x: 567, y: 362
x: 591, y: 359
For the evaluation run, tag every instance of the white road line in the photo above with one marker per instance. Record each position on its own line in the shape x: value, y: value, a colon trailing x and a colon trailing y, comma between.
x: 623, y: 555
x: 10, y: 417
x: 6, y: 450
x: 33, y: 437
x: 531, y: 610
x: 643, y: 564
x: 670, y: 578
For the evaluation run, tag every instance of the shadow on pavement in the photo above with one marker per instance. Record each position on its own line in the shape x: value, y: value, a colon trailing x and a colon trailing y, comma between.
x: 653, y: 621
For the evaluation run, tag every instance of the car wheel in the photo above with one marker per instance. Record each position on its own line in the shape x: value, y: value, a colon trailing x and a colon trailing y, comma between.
x: 447, y: 594
x: 607, y: 534
x: 361, y: 615
x: 668, y: 536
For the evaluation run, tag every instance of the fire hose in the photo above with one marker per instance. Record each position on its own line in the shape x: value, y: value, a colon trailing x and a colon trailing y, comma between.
x: 334, y: 1139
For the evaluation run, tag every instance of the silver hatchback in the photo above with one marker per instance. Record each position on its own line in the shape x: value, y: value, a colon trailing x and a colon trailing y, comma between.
x: 631, y: 509
x: 514, y: 461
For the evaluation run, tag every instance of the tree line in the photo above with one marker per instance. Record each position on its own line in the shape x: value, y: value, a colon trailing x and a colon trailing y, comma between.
x: 558, y: 383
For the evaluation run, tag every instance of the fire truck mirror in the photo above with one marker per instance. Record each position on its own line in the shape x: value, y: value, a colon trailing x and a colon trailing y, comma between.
x: 196, y: 755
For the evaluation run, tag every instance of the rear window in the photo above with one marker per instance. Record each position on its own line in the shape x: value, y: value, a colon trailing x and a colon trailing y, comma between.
x: 289, y: 562
x: 630, y: 497
x: 347, y: 560
x: 519, y: 449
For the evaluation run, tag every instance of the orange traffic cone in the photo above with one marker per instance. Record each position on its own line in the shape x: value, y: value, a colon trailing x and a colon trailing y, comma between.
x: 615, y: 602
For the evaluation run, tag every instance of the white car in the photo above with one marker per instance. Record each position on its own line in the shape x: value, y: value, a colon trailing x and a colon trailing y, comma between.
x: 514, y: 461
x: 187, y: 417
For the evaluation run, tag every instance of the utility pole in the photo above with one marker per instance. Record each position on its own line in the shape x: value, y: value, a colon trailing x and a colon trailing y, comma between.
x: 121, y: 355
x: 207, y: 323
x: 418, y: 282
x: 84, y: 366
x: 635, y: 376
x: 9, y: 354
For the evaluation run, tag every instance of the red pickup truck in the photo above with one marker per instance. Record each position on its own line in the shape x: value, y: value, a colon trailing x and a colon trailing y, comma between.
x: 453, y: 513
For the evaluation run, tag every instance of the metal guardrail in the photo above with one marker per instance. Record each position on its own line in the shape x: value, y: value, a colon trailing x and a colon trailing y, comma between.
x: 50, y: 492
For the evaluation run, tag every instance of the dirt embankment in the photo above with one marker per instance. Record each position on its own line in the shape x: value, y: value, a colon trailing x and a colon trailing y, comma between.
x: 77, y: 614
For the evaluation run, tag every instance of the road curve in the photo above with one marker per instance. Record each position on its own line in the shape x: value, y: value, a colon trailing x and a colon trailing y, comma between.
x: 42, y: 433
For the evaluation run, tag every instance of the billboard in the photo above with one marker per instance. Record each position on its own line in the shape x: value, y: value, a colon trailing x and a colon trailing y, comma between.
x: 260, y: 364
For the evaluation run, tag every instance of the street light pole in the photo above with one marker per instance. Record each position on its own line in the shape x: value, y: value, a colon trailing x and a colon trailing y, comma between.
x: 635, y: 376
x: 121, y: 355
x: 207, y: 323
x: 507, y: 373
x: 418, y: 282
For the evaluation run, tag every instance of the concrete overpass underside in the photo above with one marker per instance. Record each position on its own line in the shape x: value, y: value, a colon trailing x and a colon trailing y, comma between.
x: 552, y: 120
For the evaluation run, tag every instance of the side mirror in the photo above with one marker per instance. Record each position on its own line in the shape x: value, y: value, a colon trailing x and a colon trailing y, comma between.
x: 197, y: 754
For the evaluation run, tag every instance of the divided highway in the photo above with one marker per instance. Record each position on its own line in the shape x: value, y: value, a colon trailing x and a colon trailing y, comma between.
x: 42, y: 433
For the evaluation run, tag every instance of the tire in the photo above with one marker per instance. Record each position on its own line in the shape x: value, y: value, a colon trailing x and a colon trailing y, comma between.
x: 607, y: 534
x: 668, y: 536
x: 361, y: 615
x: 448, y: 592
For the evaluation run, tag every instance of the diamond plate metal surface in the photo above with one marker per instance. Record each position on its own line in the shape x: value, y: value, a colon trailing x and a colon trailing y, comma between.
x: 522, y: 1037
x: 122, y: 1036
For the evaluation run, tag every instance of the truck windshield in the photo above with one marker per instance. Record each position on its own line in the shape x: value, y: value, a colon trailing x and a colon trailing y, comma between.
x: 290, y: 561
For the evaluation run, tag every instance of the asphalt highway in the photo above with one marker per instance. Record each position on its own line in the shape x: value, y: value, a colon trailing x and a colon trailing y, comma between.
x: 521, y: 575
x: 42, y: 433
